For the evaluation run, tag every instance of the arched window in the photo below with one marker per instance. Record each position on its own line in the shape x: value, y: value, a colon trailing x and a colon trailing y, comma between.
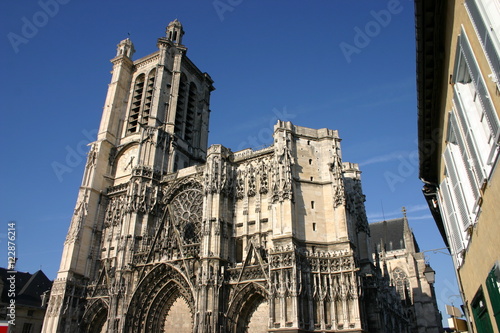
x: 135, y: 107
x: 190, y: 114
x: 180, y: 110
x: 239, y: 250
x: 142, y: 99
x: 148, y: 99
x: 400, y: 281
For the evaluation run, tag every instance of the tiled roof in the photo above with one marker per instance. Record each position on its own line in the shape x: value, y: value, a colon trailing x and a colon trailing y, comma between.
x: 29, y: 287
x: 390, y: 235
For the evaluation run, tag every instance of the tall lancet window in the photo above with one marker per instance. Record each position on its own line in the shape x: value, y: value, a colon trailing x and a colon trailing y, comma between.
x: 142, y: 99
x: 148, y: 97
x: 190, y: 113
x: 181, y: 105
x: 135, y: 108
x: 400, y: 281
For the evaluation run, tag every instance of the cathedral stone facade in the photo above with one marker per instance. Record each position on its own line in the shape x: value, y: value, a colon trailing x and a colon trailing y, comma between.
x: 171, y: 236
x: 398, y: 253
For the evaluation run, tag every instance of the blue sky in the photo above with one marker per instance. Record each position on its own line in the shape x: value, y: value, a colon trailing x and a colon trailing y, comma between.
x: 343, y: 64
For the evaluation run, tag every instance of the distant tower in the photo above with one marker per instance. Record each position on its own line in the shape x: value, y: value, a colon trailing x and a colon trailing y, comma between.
x: 154, y: 122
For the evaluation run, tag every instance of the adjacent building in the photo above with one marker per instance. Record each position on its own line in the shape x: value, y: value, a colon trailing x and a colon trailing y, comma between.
x: 397, y: 251
x: 31, y: 297
x: 458, y: 68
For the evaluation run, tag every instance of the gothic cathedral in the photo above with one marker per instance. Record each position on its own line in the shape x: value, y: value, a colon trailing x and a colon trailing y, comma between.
x: 169, y: 235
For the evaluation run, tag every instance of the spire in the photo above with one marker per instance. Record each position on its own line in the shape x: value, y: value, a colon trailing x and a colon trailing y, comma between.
x: 175, y: 32
x: 125, y: 48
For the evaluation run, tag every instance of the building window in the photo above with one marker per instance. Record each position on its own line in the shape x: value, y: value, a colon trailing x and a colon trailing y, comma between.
x: 239, y: 250
x: 450, y: 220
x: 180, y: 112
x: 135, y: 107
x: 464, y: 197
x: 400, y: 280
x: 190, y: 114
x: 314, y: 226
x: 471, y: 149
x: 463, y: 136
x: 310, y: 161
x: 474, y: 107
x: 142, y: 99
x: 148, y: 98
x: 480, y: 313
x: 485, y: 16
x: 27, y: 328
x: 312, y: 204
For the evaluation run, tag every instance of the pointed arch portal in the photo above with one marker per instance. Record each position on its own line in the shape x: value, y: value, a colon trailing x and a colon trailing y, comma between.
x: 255, y: 315
x: 250, y: 310
x: 179, y: 317
x: 163, y: 302
x: 95, y: 317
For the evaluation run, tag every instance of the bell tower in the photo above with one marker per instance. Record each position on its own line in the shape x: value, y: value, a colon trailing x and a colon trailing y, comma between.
x: 168, y: 235
x: 154, y: 123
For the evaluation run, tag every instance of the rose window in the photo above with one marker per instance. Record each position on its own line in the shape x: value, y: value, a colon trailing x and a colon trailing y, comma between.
x: 187, y: 209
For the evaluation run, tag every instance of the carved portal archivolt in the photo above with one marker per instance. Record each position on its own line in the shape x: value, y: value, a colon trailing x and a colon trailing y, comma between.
x: 251, y: 298
x: 95, y: 317
x: 155, y: 297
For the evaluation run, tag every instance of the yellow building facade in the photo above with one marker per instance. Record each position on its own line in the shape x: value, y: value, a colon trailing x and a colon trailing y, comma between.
x: 458, y: 71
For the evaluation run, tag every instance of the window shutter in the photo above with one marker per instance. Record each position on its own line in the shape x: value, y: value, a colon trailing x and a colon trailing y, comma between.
x: 482, y: 92
x: 484, y: 35
x: 475, y: 158
x: 469, y: 56
x: 450, y: 218
x: 450, y: 155
x: 471, y: 179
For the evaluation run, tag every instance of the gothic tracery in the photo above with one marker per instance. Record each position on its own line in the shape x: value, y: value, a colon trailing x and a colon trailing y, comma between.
x: 187, y: 212
x: 168, y: 232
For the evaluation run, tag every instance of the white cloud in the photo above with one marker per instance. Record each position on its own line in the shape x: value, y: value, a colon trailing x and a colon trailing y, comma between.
x: 422, y: 217
x: 377, y: 216
x: 384, y: 158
